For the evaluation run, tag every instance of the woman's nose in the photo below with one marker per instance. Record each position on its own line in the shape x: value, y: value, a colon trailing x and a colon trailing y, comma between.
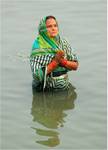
x: 53, y: 28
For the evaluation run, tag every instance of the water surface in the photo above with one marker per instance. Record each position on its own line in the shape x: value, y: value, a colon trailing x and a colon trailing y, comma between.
x: 73, y: 120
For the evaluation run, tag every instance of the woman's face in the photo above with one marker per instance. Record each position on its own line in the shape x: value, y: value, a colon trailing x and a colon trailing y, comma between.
x: 52, y: 27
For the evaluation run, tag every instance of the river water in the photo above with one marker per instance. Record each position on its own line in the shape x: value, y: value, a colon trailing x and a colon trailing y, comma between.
x: 64, y: 120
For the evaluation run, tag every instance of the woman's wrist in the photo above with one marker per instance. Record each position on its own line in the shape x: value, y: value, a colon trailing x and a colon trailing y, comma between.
x: 63, y: 62
x: 72, y: 65
x: 51, y: 66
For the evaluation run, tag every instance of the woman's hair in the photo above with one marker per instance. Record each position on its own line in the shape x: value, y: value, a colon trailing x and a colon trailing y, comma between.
x: 50, y: 17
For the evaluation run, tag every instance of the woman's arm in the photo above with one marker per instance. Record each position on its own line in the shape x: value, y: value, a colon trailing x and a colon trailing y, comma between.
x: 70, y: 61
x: 60, y: 60
x: 72, y: 65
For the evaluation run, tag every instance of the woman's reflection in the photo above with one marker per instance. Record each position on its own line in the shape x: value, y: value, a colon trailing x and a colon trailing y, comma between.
x: 49, y: 109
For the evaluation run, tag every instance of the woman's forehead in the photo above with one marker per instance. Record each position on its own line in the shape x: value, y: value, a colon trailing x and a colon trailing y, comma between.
x: 50, y: 20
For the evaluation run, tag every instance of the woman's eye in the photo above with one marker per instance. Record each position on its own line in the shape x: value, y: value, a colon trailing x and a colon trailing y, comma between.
x: 49, y: 26
x: 55, y: 25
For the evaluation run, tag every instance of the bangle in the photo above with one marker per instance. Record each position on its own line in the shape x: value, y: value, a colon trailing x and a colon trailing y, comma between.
x: 53, y: 64
x: 63, y: 62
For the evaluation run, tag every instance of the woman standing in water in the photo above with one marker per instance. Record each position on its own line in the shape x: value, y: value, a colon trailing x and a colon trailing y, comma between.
x: 51, y: 57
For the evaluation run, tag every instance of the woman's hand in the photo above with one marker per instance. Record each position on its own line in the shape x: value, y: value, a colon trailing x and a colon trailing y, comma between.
x: 59, y: 55
x: 56, y: 60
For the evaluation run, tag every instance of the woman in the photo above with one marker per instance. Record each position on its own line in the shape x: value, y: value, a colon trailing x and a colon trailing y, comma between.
x: 51, y: 57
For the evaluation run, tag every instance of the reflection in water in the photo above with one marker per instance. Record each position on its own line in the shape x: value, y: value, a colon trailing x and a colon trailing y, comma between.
x: 48, y: 109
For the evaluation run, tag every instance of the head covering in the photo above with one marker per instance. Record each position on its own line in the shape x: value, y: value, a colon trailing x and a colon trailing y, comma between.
x: 42, y: 26
x: 43, y: 39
